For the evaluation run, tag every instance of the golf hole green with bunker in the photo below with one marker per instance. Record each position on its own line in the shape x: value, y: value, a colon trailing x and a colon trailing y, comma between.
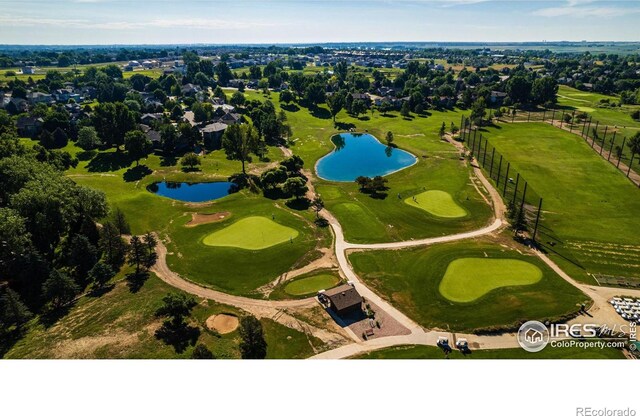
x: 468, y: 279
x: 251, y: 233
x: 438, y: 203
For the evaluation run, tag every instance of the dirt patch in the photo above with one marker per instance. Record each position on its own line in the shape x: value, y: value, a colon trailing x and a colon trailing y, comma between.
x: 223, y: 323
x: 199, y: 219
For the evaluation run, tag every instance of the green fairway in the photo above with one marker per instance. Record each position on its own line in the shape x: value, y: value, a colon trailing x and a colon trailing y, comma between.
x: 438, y: 203
x: 590, y: 209
x: 411, y: 279
x: 251, y: 233
x: 469, y: 279
x: 429, y: 352
x: 311, y: 284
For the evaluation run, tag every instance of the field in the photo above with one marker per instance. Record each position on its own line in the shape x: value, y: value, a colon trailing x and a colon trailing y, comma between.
x: 241, y: 270
x: 437, y: 203
x: 583, y: 196
x: 121, y: 324
x: 468, y: 279
x: 411, y: 279
x: 251, y: 233
x: 387, y: 217
x: 426, y: 352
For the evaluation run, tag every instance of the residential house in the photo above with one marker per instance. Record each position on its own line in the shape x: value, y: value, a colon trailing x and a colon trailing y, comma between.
x: 212, y: 135
x: 37, y: 97
x: 497, y: 97
x: 29, y: 126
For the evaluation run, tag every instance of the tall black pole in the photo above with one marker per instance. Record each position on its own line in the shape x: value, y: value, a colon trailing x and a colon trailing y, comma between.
x: 499, y: 170
x: 624, y: 139
x: 595, y: 131
x: 613, y: 140
x: 506, y: 179
x: 630, y: 163
x: 484, y: 158
x: 535, y: 229
x: 604, y: 139
x: 515, y: 192
x: 493, y: 153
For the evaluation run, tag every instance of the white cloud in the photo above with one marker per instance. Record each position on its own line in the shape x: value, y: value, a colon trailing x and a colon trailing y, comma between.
x: 191, y: 23
x: 585, y: 8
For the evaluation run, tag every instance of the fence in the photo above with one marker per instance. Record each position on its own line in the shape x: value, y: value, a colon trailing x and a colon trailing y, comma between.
x: 604, y: 139
x: 516, y: 192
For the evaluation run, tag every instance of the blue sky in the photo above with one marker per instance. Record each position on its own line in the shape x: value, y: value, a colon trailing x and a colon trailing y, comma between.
x: 302, y: 21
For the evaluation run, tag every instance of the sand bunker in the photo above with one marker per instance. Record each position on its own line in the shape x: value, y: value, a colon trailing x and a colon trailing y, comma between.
x: 198, y: 218
x: 222, y: 323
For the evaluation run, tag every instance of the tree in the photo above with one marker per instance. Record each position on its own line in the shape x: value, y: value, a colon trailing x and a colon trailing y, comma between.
x: 79, y: 255
x: 88, y: 138
x: 239, y: 142
x: 286, y: 96
x: 293, y: 164
x: 150, y: 242
x: 405, y: 111
x: 634, y: 144
x: 317, y: 204
x: 544, y: 91
x: 190, y: 161
x: 314, y: 94
x: 389, y: 138
x: 363, y: 182
x: 174, y: 330
x: 59, y: 289
x: 273, y: 177
x: 336, y: 103
x: 519, y: 89
x: 358, y: 107
x: 112, y: 121
x: 252, y: 344
x: 119, y: 220
x: 201, y: 352
x: 100, y: 274
x: 13, y: 313
x: 136, y: 254
x: 295, y: 186
x: 237, y: 99
x: 224, y: 73
x: 137, y: 144
x: 113, y: 247
x: 442, y: 130
x: 478, y: 111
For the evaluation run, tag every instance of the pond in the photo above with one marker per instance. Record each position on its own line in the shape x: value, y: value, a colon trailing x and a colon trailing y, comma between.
x: 193, y: 192
x: 358, y: 154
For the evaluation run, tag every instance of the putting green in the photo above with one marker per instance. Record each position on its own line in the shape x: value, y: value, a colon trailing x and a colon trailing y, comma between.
x: 311, y: 284
x: 251, y: 233
x: 468, y: 279
x: 438, y: 203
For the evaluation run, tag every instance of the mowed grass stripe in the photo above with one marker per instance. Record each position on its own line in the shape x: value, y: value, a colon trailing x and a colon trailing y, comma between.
x: 251, y: 233
x: 438, y: 203
x: 471, y: 278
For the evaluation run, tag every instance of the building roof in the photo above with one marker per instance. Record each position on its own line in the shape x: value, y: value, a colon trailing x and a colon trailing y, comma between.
x: 213, y: 128
x: 343, y: 297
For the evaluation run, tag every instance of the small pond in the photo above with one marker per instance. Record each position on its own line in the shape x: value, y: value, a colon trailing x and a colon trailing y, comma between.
x: 358, y: 154
x: 193, y: 192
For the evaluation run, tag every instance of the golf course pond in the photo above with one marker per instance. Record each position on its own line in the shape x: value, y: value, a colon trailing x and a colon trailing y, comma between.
x: 192, y: 192
x: 361, y: 154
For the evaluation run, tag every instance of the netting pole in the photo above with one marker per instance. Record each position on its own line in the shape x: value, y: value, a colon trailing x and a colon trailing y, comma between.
x: 573, y: 118
x: 499, y: 170
x: 535, y: 229
x: 630, y: 164
x: 484, y: 157
x: 506, y: 179
x: 515, y: 192
x: 562, y: 119
x: 595, y: 132
x: 493, y: 153
x: 588, y: 129
x: 604, y: 139
x: 624, y: 139
x: 613, y: 140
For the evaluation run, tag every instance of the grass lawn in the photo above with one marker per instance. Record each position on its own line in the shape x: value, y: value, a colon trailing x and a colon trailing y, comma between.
x: 367, y: 219
x: 589, y: 209
x: 411, y: 280
x: 428, y: 352
x: 286, y: 343
x: 311, y: 284
x: 251, y: 233
x: 438, y: 203
x: 120, y: 324
x: 468, y: 279
x: 242, y: 270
